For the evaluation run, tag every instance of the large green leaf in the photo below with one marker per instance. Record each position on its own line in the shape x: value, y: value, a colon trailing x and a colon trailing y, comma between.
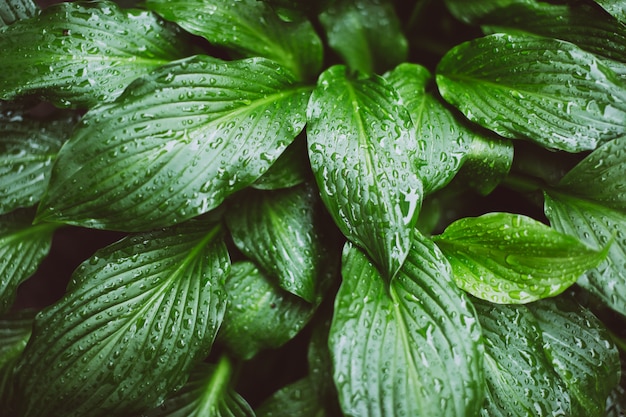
x: 363, y: 152
x: 175, y: 144
x: 13, y: 10
x: 366, y: 34
x: 520, y: 379
x: 581, y: 351
x: 83, y: 53
x: 617, y: 8
x: 411, y: 347
x: 22, y: 248
x: 135, y: 319
x: 525, y: 86
x: 260, y: 315
x: 590, y: 203
x: 249, y: 27
x: 510, y: 258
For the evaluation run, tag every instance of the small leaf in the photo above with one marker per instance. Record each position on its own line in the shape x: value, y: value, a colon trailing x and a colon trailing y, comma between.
x: 520, y: 379
x: 510, y: 258
x: 290, y: 169
x: 296, y: 399
x: 175, y: 144
x: 363, y: 151
x: 251, y: 28
x: 259, y: 315
x: 472, y: 12
x: 487, y: 163
x: 80, y: 54
x: 412, y: 348
x: 14, y: 10
x: 148, y: 305
x: 546, y: 90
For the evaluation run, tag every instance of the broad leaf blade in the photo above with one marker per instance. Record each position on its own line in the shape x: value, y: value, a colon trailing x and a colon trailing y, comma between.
x: 80, y: 54
x: 510, y: 258
x: 296, y: 399
x: 473, y: 11
x: 148, y: 306
x: 249, y: 27
x: 14, y: 10
x: 411, y: 349
x: 546, y: 90
x: 617, y: 8
x: 175, y: 144
x: 363, y: 151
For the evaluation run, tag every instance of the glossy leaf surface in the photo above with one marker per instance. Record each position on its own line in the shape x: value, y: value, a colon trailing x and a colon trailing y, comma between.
x: 13, y: 10
x: 616, y: 8
x: 290, y: 169
x: 135, y: 319
x: 487, y: 163
x: 546, y: 90
x: 509, y: 258
x: 363, y: 149
x: 175, y: 144
x: 93, y: 50
x: 410, y: 348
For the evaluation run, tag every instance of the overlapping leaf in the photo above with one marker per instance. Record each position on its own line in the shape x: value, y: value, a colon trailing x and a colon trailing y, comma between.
x: 363, y: 153
x: 13, y: 10
x: 290, y: 169
x: 135, y: 319
x: 525, y: 86
x: 616, y: 8
x: 175, y: 144
x: 472, y: 11
x: 296, y: 399
x: 509, y: 258
x: 408, y: 348
x: 83, y: 53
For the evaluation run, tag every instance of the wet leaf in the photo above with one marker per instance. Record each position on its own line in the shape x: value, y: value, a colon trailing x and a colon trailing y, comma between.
x: 363, y: 150
x: 14, y: 10
x: 175, y: 144
x: 135, y: 319
x: 296, y: 399
x: 617, y: 8
x: 510, y: 258
x: 290, y: 169
x: 411, y: 348
x: 471, y: 12
x: 80, y: 54
x: 545, y: 90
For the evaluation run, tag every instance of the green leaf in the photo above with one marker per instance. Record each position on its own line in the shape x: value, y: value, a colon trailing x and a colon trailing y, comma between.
x: 442, y: 140
x: 81, y: 54
x: 135, y: 319
x: 14, y: 10
x: 260, y: 315
x: 22, y: 248
x: 290, y: 169
x: 545, y: 90
x: 363, y: 150
x: 411, y: 348
x: 581, y: 351
x: 590, y: 203
x: 207, y: 393
x: 296, y: 399
x: 471, y: 12
x: 175, y: 144
x: 617, y: 8
x: 510, y: 258
x: 353, y: 29
x: 250, y: 28
x: 487, y: 163
x: 520, y: 379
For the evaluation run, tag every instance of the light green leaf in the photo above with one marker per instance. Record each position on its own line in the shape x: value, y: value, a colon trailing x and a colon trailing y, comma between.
x: 251, y: 28
x: 590, y: 203
x: 520, y: 379
x: 409, y: 348
x: 545, y: 90
x: 296, y: 399
x: 135, y: 319
x: 14, y: 10
x: 617, y: 8
x: 510, y: 258
x: 81, y: 54
x: 290, y: 169
x: 259, y: 315
x: 363, y: 150
x: 581, y: 351
x: 442, y: 140
x: 175, y: 144
x: 354, y: 30
x: 22, y: 248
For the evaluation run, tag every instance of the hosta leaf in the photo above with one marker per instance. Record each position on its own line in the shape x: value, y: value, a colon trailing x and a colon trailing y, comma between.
x: 472, y: 11
x: 617, y: 8
x: 81, y: 54
x: 581, y: 352
x: 296, y: 399
x: 590, y: 203
x: 290, y: 169
x: 135, y: 319
x: 175, y: 144
x: 22, y: 248
x: 411, y: 348
x: 207, y: 393
x: 487, y: 163
x: 363, y: 152
x: 525, y: 86
x: 13, y: 10
x: 260, y: 314
x: 443, y: 142
x: 510, y: 258
x: 353, y: 29
x: 249, y: 27
x: 520, y: 379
